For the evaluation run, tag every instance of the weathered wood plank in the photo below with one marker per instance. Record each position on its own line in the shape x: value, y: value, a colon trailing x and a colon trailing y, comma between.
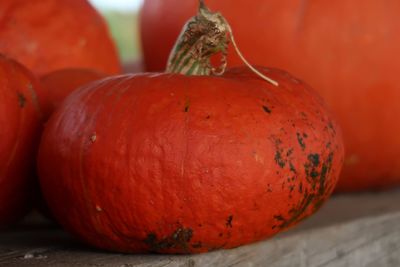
x: 350, y: 231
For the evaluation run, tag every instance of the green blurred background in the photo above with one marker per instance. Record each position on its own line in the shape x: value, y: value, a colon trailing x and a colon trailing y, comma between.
x: 122, y: 18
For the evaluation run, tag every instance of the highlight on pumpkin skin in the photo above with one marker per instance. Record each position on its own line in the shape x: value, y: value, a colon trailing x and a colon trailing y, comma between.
x: 203, y: 36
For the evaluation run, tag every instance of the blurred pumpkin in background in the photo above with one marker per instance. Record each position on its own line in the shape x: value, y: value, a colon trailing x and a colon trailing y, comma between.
x: 19, y: 133
x: 346, y: 50
x: 57, y: 85
x: 49, y: 35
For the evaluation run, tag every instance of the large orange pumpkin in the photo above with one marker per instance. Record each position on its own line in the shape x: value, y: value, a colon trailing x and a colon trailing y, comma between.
x: 178, y: 164
x: 163, y: 162
x: 48, y: 35
x: 19, y: 129
x: 346, y: 50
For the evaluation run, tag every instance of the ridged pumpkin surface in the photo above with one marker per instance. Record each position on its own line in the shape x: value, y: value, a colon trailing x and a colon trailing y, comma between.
x: 19, y: 129
x: 346, y: 50
x: 48, y: 35
x: 176, y: 164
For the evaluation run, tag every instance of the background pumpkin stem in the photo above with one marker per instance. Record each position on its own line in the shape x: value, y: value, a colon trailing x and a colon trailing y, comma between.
x: 205, y: 35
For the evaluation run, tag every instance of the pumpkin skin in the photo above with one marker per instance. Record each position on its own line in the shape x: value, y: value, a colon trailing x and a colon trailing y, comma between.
x: 170, y: 163
x: 49, y: 35
x: 57, y: 85
x: 19, y: 135
x: 346, y: 50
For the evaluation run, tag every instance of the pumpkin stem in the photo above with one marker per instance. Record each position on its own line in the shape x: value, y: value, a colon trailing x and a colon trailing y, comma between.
x: 205, y: 35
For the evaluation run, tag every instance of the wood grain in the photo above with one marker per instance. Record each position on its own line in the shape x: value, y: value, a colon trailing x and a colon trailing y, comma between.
x: 349, y: 231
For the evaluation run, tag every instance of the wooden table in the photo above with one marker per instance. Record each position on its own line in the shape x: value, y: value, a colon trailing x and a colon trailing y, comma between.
x: 350, y: 230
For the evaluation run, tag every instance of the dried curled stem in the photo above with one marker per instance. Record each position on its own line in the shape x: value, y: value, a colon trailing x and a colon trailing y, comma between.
x: 205, y: 35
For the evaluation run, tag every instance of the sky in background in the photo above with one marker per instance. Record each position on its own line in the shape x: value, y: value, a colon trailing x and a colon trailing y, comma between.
x: 120, y: 5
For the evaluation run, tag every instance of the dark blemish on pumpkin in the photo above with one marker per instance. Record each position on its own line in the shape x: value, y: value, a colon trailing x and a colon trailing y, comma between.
x: 208, y: 117
x: 279, y: 217
x: 187, y: 108
x: 303, y: 114
x: 314, y: 159
x: 330, y: 125
x: 229, y: 221
x: 328, y: 145
x: 326, y: 167
x: 21, y: 100
x: 200, y: 225
x: 297, y: 212
x: 292, y: 210
x: 300, y: 139
x: 197, y: 245
x: 178, y: 239
x: 279, y: 160
x: 221, y: 235
x: 267, y: 110
x: 311, y: 169
x: 317, y: 180
x: 187, y: 105
x: 314, y: 174
x: 292, y: 168
x: 291, y: 188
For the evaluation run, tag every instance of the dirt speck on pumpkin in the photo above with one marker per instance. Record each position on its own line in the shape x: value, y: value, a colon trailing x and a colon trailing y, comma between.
x: 229, y: 221
x: 21, y: 100
x: 279, y: 159
x: 178, y: 239
x: 300, y: 140
x: 197, y: 245
x: 187, y: 105
x: 267, y: 110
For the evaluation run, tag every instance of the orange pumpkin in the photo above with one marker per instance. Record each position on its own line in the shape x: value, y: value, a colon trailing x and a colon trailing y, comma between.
x: 48, y: 35
x: 57, y: 85
x: 346, y: 50
x: 19, y: 129
x: 172, y: 163
x: 178, y: 164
